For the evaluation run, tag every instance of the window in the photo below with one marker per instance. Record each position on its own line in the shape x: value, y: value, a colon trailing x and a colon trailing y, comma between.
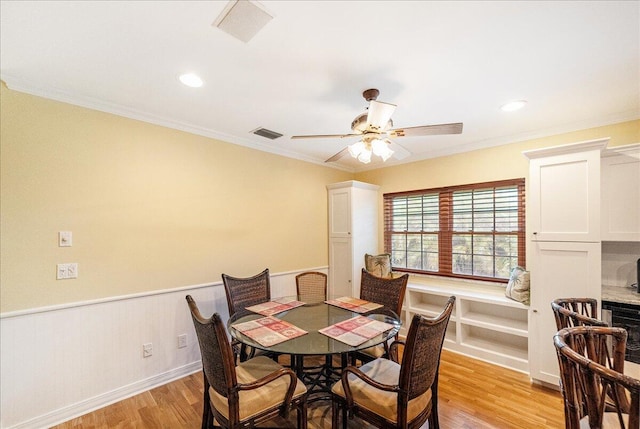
x: 471, y: 231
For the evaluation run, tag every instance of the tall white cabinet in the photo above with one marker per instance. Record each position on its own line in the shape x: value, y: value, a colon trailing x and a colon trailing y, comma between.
x: 353, y: 231
x: 620, y: 216
x: 563, y: 218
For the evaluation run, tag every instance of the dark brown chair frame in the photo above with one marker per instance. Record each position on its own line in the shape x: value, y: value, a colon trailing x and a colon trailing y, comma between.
x: 593, y: 378
x: 386, y: 291
x: 570, y: 312
x: 418, y: 373
x: 242, y: 293
x: 218, y: 362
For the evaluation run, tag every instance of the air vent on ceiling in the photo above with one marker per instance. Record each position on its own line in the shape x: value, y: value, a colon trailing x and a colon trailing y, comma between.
x: 242, y: 19
x: 266, y: 133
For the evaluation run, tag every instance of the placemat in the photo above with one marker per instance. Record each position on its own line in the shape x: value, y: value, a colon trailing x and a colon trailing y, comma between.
x: 354, y: 304
x: 269, y: 331
x: 356, y: 330
x: 275, y: 306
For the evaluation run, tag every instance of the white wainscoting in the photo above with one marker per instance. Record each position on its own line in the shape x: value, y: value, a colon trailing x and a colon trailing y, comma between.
x: 57, y: 363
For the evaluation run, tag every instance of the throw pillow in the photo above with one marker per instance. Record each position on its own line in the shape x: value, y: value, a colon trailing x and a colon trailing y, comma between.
x: 378, y: 265
x: 518, y: 286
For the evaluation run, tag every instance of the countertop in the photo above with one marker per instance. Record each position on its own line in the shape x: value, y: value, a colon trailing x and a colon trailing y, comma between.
x: 620, y: 294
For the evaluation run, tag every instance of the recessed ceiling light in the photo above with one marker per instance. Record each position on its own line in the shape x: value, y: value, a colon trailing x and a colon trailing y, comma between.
x: 191, y: 79
x: 513, y: 105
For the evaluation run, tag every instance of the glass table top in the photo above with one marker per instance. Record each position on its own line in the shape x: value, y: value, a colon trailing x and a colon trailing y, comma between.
x: 315, y: 314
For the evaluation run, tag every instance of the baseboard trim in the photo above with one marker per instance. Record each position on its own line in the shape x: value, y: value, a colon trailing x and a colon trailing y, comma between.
x: 88, y: 405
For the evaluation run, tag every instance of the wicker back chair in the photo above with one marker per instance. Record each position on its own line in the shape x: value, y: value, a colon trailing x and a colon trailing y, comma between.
x: 392, y: 395
x: 256, y: 390
x: 386, y: 291
x: 571, y: 312
x: 245, y: 292
x: 311, y: 285
x: 242, y: 293
x: 596, y: 392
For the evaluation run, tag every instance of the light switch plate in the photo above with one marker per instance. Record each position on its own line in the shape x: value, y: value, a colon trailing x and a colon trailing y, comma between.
x: 65, y: 239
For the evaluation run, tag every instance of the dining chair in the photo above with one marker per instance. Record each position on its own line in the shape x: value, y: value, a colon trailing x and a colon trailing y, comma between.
x: 386, y: 291
x: 570, y: 312
x: 392, y: 394
x: 242, y: 396
x: 596, y: 392
x: 587, y: 307
x: 242, y: 293
x: 311, y: 285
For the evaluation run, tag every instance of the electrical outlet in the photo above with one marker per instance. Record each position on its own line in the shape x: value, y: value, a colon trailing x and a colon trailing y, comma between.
x: 147, y: 350
x: 182, y: 341
x: 72, y: 270
x: 61, y: 271
x: 67, y: 271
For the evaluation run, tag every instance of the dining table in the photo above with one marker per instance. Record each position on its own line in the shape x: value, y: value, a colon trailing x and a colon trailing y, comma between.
x: 311, y: 315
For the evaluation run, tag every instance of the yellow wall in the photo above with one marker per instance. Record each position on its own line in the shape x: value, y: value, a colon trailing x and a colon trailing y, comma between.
x: 497, y: 163
x: 150, y: 208
x: 153, y: 208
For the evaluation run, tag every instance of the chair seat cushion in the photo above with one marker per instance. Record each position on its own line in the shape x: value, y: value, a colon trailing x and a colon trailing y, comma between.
x: 375, y: 351
x: 378, y: 401
x: 253, y: 402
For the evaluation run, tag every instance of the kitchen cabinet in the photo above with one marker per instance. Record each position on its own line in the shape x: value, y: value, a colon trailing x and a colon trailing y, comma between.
x: 353, y: 231
x: 620, y: 208
x: 564, y: 256
x: 564, y: 192
x: 558, y: 270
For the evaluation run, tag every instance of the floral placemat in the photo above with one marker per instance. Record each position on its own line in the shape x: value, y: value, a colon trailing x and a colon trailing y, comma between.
x: 276, y: 306
x: 356, y: 330
x: 354, y: 304
x: 269, y: 331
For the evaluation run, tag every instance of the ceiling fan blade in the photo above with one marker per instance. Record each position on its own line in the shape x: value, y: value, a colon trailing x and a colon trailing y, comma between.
x: 379, y: 114
x: 427, y: 130
x: 325, y: 136
x: 399, y: 152
x: 338, y: 155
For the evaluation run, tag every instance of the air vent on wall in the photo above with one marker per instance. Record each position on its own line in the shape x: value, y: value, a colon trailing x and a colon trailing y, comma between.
x: 263, y: 132
x: 242, y: 19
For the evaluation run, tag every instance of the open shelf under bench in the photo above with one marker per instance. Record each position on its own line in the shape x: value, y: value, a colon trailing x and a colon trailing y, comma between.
x: 484, y: 324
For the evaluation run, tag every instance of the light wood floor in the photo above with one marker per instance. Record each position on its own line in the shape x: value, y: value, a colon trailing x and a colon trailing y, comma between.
x: 472, y: 395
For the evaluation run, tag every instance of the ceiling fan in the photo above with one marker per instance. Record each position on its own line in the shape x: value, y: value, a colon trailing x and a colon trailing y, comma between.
x: 374, y: 126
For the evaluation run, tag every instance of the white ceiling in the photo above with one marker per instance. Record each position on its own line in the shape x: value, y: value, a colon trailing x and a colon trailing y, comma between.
x: 577, y: 63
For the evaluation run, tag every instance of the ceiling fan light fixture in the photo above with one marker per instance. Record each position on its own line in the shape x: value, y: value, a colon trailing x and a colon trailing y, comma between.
x: 381, y: 148
x: 365, y: 156
x: 357, y: 148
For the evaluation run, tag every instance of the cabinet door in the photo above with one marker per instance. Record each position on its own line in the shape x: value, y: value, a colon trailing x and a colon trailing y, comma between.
x: 558, y: 270
x: 340, y: 267
x: 565, y: 197
x: 621, y: 197
x: 340, y: 212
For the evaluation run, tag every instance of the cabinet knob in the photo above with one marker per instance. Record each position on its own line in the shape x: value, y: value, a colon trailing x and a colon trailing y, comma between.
x: 535, y: 233
x: 535, y: 311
